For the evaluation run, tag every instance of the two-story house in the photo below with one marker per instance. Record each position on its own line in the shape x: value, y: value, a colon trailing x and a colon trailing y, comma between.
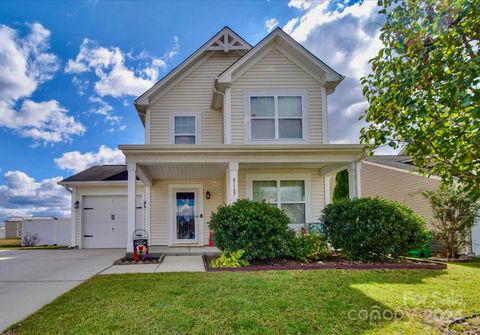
x: 231, y: 121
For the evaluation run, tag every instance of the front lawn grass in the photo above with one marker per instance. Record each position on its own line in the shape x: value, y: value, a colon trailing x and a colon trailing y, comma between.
x: 272, y: 302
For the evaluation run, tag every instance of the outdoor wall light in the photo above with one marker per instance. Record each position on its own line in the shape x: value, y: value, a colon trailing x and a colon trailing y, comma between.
x: 76, y: 204
x: 207, y: 195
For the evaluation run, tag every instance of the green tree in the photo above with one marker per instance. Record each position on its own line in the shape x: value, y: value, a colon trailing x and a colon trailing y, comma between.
x: 340, y: 191
x: 454, y: 213
x: 424, y: 89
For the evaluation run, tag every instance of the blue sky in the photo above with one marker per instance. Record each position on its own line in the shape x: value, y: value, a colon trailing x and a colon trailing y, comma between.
x: 69, y: 72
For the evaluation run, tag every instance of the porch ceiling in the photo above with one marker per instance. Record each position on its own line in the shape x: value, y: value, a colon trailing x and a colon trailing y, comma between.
x: 186, y: 171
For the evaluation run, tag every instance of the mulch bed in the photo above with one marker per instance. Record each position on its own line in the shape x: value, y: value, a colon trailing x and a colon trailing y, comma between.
x: 331, y: 263
x: 129, y: 260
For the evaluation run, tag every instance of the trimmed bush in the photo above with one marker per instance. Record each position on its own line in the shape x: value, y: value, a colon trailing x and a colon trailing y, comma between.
x: 373, y: 229
x: 308, y: 248
x: 256, y: 227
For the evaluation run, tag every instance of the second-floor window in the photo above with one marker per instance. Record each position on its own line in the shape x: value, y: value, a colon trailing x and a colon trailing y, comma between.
x: 185, y: 129
x: 276, y: 117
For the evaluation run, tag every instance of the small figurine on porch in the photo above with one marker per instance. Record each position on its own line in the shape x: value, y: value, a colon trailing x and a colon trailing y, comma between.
x: 140, y: 245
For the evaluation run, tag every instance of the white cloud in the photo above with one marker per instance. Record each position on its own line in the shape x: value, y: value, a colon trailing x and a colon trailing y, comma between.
x: 22, y: 195
x: 299, y: 4
x: 270, y: 24
x: 288, y: 28
x: 76, y: 161
x: 24, y: 64
x: 115, y: 78
x: 103, y: 109
x: 344, y: 38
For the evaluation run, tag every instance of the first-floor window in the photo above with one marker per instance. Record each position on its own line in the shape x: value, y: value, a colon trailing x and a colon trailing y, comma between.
x: 184, y: 129
x: 288, y: 195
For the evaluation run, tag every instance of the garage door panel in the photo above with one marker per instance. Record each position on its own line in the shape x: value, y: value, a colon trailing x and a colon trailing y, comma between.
x: 105, y: 221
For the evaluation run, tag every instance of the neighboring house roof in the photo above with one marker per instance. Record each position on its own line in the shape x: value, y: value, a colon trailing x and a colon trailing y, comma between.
x: 396, y: 161
x: 225, y: 40
x: 100, y: 173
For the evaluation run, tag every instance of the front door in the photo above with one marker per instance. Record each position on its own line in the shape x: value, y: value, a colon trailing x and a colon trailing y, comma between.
x: 186, y: 216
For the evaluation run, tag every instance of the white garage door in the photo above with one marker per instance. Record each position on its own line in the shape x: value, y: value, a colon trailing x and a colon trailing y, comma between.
x: 105, y: 221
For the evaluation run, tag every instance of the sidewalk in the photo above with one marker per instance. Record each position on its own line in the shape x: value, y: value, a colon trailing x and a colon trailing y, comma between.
x: 169, y: 264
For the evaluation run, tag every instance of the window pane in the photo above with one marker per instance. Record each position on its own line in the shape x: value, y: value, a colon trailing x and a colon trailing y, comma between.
x: 265, y: 190
x: 290, y: 106
x: 292, y: 190
x: 184, y: 139
x: 263, y: 128
x: 296, y: 212
x: 290, y: 128
x: 262, y: 106
x: 185, y: 125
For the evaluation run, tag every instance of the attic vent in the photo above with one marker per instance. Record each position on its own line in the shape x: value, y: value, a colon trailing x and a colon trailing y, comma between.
x: 227, y: 42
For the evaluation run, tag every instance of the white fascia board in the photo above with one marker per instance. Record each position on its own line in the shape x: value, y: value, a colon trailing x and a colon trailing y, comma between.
x: 410, y: 172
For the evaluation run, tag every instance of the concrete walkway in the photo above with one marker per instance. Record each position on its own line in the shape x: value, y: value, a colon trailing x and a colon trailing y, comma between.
x: 169, y: 264
x: 30, y: 279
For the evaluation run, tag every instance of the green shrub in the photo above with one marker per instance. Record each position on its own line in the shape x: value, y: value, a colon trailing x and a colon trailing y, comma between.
x: 308, y: 248
x: 229, y: 260
x: 256, y: 227
x: 373, y: 229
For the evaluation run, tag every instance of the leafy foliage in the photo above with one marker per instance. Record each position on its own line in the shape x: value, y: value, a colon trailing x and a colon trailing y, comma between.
x: 229, y: 260
x: 256, y: 227
x: 424, y: 90
x: 308, y: 248
x: 454, y: 214
x: 341, y: 186
x: 373, y: 229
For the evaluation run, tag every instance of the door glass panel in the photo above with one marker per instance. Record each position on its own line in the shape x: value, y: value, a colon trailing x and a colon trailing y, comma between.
x: 185, y: 215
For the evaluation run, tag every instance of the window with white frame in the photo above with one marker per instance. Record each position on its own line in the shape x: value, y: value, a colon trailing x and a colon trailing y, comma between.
x: 276, y: 117
x: 185, y: 129
x: 288, y: 195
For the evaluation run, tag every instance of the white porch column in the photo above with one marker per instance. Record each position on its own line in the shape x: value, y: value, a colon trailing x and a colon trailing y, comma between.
x: 73, y: 214
x: 131, y: 203
x: 327, y: 182
x: 354, y: 180
x: 232, y: 182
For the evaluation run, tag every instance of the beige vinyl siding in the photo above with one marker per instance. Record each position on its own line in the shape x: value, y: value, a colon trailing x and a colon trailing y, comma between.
x: 97, y: 190
x: 399, y: 186
x: 317, y: 186
x: 276, y: 72
x: 159, y: 225
x: 192, y: 94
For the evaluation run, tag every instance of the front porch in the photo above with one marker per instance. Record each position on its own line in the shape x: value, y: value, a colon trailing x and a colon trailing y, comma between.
x: 184, y: 185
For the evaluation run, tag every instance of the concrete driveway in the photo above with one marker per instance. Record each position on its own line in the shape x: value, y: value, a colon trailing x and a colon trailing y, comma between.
x: 30, y: 279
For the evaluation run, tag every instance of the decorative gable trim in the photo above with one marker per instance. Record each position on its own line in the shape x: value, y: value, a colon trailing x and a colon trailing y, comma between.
x: 225, y: 40
x: 228, y: 41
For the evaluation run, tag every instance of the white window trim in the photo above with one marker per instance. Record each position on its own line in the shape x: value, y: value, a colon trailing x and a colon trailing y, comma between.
x: 305, y: 177
x: 197, y: 126
x: 276, y: 94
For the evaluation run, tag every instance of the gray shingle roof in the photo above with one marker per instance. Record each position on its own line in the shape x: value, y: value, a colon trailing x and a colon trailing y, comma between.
x: 100, y: 173
x: 396, y: 161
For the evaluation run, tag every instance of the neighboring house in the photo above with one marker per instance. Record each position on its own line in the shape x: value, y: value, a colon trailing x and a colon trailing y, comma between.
x: 13, y: 227
x: 232, y: 121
